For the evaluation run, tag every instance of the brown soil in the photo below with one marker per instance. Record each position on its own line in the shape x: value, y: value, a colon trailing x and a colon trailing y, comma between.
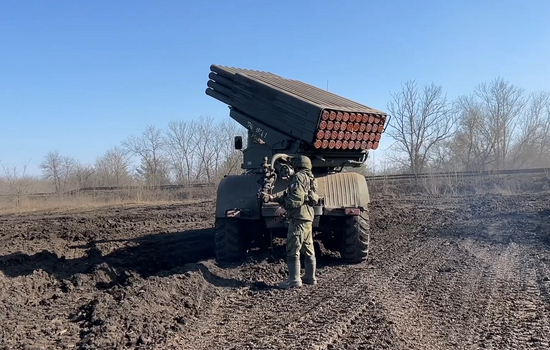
x: 444, y: 273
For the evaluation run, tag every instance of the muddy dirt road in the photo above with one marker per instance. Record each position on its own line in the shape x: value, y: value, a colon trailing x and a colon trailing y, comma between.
x: 450, y: 273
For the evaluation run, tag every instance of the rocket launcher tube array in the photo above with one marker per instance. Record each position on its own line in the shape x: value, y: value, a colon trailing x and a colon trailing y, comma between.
x: 319, y: 118
x: 361, y: 131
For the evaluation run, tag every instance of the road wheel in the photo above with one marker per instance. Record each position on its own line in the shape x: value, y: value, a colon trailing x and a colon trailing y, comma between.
x: 356, y: 239
x: 230, y: 243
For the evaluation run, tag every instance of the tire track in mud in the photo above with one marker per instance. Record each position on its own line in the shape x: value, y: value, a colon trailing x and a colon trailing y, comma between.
x: 403, y: 295
x: 531, y: 306
x: 465, y: 292
x: 543, y: 278
x: 484, y: 300
x: 349, y: 304
x: 474, y: 284
x: 370, y: 326
x: 312, y: 317
x: 513, y: 313
x: 496, y: 328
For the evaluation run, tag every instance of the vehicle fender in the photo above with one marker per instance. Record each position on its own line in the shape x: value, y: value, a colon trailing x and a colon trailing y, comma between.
x: 238, y: 192
x: 343, y: 190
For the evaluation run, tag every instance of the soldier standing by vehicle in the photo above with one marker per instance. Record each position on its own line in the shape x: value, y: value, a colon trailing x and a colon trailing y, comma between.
x: 297, y: 205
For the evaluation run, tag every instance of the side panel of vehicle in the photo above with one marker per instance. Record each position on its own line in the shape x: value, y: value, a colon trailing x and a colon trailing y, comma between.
x: 343, y: 190
x: 236, y: 197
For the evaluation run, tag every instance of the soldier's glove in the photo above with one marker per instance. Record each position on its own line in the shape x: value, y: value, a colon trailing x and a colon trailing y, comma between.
x: 281, y: 212
x: 265, y: 197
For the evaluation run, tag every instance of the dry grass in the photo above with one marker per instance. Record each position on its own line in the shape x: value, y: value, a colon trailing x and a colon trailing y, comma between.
x: 98, y: 199
x: 453, y: 185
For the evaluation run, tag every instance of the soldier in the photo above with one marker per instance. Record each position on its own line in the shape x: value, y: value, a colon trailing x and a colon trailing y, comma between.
x: 296, y: 204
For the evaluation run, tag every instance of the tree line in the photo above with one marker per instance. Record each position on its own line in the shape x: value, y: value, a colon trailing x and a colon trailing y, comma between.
x: 498, y: 126
x: 184, y: 152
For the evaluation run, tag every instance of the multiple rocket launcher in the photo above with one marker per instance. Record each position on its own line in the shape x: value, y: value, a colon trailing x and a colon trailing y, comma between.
x: 325, y: 121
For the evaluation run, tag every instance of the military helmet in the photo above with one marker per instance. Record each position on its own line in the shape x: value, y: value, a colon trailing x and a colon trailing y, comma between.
x: 302, y: 162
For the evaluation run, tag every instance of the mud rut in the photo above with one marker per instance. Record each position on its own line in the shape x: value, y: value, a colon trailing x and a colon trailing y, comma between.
x: 445, y: 273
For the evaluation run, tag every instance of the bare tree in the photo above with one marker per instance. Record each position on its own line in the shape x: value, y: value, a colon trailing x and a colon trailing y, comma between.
x: 181, y: 148
x: 502, y: 104
x: 473, y: 147
x: 487, y: 128
x: 231, y: 159
x: 19, y: 184
x: 57, y: 168
x: 51, y: 169
x: 67, y: 168
x: 532, y: 146
x: 112, y: 168
x: 231, y: 165
x: 82, y: 175
x: 206, y: 149
x: 420, y: 119
x: 149, y: 149
x: 442, y: 157
x: 103, y: 171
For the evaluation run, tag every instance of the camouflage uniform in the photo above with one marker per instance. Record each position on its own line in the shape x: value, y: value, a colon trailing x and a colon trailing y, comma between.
x: 300, y: 216
x: 300, y: 227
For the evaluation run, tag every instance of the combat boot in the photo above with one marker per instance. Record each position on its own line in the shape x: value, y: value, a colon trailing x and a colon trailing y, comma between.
x: 310, y: 265
x: 293, y: 274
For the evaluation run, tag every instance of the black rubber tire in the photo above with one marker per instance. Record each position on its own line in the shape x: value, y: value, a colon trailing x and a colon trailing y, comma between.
x: 355, y: 239
x: 230, y: 243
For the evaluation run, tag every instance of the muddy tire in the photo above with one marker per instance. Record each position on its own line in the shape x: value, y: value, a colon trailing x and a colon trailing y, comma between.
x: 230, y: 243
x: 355, y: 239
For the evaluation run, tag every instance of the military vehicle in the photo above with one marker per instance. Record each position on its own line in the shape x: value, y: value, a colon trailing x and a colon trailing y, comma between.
x: 284, y: 119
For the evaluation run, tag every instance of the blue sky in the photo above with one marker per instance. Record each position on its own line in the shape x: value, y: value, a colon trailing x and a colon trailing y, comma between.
x: 80, y: 77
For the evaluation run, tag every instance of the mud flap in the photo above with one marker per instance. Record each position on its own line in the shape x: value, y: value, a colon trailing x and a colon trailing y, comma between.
x: 237, y: 196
